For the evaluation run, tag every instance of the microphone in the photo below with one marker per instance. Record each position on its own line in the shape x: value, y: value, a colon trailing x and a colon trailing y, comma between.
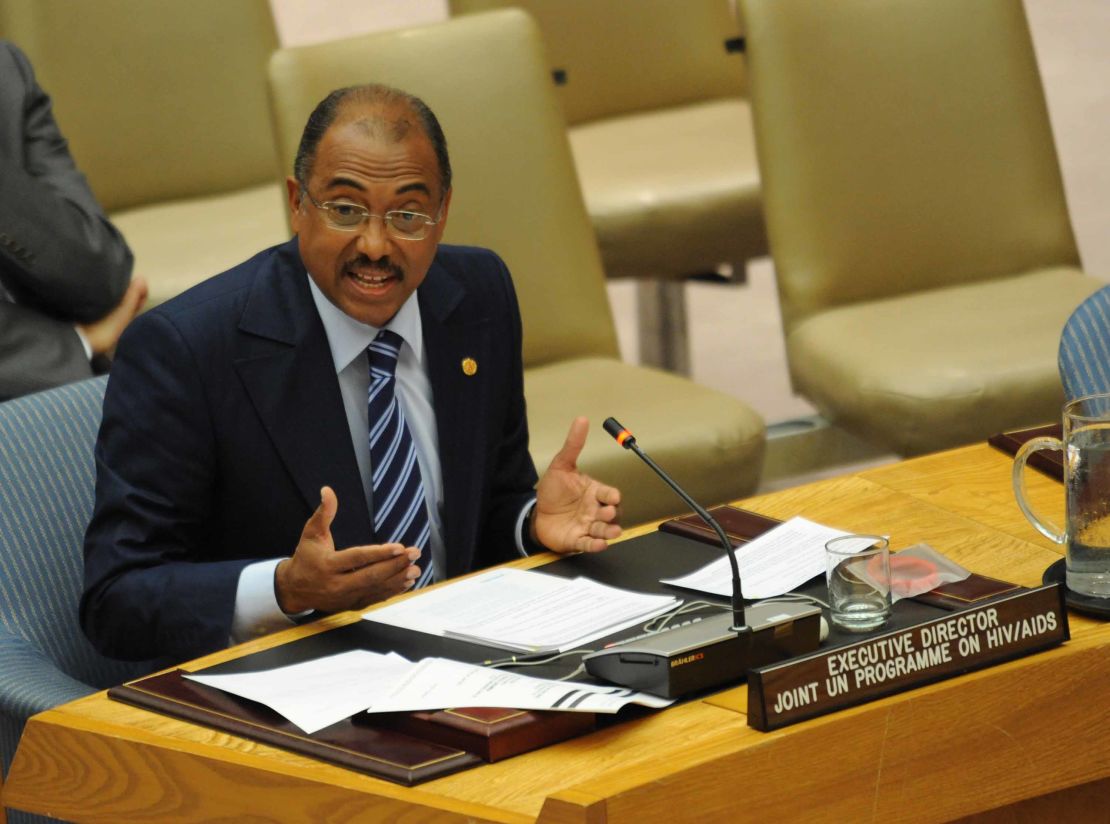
x: 717, y: 650
x: 625, y: 438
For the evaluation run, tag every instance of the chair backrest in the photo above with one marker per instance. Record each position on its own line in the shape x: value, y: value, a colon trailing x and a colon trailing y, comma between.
x: 622, y: 56
x: 515, y: 188
x: 158, y: 99
x: 1085, y: 347
x: 47, y: 478
x: 902, y: 146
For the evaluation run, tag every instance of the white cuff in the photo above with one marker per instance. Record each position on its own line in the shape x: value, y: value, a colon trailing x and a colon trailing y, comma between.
x: 520, y: 519
x: 256, y: 608
x: 85, y: 343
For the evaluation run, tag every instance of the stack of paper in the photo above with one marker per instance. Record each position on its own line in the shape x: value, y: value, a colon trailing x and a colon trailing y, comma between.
x: 526, y: 611
x: 316, y: 694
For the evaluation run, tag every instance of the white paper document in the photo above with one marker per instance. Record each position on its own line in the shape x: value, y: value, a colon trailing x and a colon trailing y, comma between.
x: 776, y: 562
x: 435, y: 683
x: 522, y: 610
x: 316, y: 694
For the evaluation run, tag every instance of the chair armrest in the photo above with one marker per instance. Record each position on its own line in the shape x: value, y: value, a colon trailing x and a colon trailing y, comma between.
x: 30, y: 682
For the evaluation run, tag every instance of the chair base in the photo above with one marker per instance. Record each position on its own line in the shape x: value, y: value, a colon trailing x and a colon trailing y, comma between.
x: 661, y: 308
x: 806, y: 449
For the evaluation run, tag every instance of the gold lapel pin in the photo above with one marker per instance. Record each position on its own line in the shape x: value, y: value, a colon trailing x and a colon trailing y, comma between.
x: 469, y: 366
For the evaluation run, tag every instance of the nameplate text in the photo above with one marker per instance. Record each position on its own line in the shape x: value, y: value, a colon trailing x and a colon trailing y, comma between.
x: 1005, y: 628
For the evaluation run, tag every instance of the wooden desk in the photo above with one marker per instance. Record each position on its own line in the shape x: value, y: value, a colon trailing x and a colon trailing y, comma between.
x: 1035, y: 728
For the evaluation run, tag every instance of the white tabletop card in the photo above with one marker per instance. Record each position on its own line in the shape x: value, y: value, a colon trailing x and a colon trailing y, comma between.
x: 316, y: 694
x: 522, y: 610
x: 776, y: 562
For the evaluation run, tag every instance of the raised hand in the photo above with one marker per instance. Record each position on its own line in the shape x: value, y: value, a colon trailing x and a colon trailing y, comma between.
x: 574, y: 513
x: 320, y: 577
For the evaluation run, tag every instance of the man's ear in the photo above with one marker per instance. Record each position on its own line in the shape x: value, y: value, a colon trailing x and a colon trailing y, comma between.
x: 296, y: 213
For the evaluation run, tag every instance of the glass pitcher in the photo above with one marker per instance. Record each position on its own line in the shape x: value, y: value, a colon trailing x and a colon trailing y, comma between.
x: 1086, y: 533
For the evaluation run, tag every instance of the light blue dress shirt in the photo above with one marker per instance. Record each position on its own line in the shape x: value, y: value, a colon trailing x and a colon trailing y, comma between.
x: 256, y: 608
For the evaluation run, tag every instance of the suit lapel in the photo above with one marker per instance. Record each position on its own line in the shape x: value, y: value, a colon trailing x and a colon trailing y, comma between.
x: 459, y: 399
x: 286, y: 367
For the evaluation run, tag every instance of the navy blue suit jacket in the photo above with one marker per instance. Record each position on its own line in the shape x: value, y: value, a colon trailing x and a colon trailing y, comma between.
x: 223, y: 418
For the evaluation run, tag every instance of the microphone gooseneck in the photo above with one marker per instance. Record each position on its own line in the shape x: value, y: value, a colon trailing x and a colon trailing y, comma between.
x: 625, y: 438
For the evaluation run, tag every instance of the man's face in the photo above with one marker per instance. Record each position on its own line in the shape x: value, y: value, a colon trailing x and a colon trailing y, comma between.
x: 369, y: 158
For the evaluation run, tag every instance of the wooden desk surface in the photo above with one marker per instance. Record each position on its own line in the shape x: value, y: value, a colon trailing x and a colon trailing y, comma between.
x: 1030, y: 728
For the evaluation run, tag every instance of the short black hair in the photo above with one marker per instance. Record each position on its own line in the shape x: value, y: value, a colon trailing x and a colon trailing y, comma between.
x: 328, y: 109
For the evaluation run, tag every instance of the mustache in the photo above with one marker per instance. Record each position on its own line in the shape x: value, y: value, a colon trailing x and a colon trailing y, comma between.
x: 382, y: 266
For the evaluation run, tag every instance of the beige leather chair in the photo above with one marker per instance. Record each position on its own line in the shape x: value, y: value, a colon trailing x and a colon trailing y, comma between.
x: 662, y: 139
x: 164, y: 106
x: 515, y: 191
x: 925, y: 259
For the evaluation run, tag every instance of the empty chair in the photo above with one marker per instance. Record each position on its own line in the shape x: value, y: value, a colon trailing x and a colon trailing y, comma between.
x: 654, y: 95
x: 486, y: 77
x: 1084, y: 357
x: 46, y: 496
x: 164, y: 107
x: 921, y: 239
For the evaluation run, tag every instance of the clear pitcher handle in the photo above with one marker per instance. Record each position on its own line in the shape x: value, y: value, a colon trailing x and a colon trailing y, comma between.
x: 1045, y: 526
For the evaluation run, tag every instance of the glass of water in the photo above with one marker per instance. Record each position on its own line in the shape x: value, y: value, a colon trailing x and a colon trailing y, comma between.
x: 858, y: 575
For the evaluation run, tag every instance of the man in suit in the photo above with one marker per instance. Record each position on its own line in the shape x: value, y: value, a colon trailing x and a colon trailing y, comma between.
x: 64, y: 269
x: 238, y: 460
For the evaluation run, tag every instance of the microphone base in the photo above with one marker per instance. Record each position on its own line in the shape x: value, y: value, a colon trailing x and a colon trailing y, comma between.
x: 710, y: 653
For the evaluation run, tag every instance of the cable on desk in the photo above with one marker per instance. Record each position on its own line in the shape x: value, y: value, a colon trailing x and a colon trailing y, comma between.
x: 532, y: 659
x: 681, y: 609
x: 537, y: 659
x: 793, y: 597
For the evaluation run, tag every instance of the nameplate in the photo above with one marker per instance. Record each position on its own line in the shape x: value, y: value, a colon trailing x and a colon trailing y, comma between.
x: 821, y: 682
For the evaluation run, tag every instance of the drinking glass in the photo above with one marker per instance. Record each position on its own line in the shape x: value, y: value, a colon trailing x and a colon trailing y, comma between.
x: 858, y: 575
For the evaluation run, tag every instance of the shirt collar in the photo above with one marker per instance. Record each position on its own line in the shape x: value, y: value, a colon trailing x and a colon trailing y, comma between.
x: 348, y: 338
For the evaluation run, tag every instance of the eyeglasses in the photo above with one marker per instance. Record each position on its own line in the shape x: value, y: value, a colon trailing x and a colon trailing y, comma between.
x: 349, y: 217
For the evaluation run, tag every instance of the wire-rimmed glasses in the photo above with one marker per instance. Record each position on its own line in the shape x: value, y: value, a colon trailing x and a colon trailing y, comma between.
x: 349, y: 217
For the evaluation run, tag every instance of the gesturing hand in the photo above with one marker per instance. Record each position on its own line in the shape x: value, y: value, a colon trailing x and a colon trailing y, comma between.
x: 573, y: 511
x: 319, y: 577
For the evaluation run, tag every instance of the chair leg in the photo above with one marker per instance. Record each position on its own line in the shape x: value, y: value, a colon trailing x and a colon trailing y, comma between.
x: 661, y: 306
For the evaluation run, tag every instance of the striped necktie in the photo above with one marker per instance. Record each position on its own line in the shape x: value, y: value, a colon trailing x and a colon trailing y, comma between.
x: 400, y: 510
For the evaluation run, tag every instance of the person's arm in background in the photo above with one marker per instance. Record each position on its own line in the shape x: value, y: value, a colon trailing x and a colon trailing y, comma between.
x: 61, y: 260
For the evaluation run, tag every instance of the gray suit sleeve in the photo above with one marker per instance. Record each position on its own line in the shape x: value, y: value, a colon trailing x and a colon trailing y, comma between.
x: 37, y: 352
x: 61, y: 260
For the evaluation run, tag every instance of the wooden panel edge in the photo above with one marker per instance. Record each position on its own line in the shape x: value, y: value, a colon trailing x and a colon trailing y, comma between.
x: 1083, y: 802
x: 573, y: 807
x: 69, y: 772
